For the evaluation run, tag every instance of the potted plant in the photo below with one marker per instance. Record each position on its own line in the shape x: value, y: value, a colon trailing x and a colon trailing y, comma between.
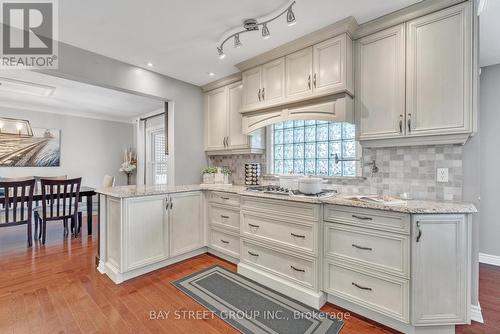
x: 226, y: 172
x: 209, y: 175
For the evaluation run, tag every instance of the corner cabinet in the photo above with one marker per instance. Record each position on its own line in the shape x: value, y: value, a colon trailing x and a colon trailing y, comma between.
x: 414, y: 82
x: 223, y: 123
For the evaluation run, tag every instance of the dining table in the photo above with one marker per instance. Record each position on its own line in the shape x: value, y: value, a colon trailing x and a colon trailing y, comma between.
x: 85, y: 192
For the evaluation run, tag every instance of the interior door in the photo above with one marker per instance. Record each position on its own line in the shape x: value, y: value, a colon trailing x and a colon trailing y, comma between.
x: 329, y: 65
x: 439, y: 72
x: 216, y: 119
x: 252, y: 88
x: 237, y: 140
x: 273, y: 81
x: 299, y: 74
x: 380, y: 90
x: 186, y: 223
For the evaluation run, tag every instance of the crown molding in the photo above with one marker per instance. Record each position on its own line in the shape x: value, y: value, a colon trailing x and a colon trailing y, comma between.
x: 400, y: 16
x: 347, y: 25
x: 222, y: 82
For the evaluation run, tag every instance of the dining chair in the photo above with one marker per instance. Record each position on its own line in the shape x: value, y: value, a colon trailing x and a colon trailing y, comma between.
x: 17, y: 205
x: 108, y: 181
x: 60, y: 200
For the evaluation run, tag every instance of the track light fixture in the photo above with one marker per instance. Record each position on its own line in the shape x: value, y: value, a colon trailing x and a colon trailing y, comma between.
x: 253, y: 25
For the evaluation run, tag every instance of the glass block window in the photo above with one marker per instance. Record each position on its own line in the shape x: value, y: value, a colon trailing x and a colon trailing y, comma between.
x: 309, y: 148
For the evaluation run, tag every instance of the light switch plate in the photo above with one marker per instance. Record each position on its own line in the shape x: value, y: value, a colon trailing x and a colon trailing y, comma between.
x: 442, y: 175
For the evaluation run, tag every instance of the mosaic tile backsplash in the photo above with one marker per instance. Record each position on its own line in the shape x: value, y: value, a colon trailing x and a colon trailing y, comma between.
x: 401, y: 169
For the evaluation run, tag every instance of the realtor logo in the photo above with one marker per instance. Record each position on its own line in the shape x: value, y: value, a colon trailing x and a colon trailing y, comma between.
x: 29, y: 34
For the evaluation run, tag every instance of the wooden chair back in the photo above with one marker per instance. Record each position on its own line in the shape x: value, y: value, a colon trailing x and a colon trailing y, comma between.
x: 60, y: 198
x: 17, y: 201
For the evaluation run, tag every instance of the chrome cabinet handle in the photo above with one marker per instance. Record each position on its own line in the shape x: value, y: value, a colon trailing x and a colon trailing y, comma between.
x: 225, y: 217
x: 253, y: 254
x: 297, y: 235
x: 224, y: 241
x: 167, y: 203
x: 297, y: 269
x: 314, y: 80
x: 419, y: 232
x: 225, y: 198
x: 362, y: 217
x: 361, y: 247
x: 409, y: 122
x: 227, y: 141
x: 252, y: 225
x: 171, y: 203
x: 309, y: 82
x: 258, y: 94
x: 361, y: 287
x: 401, y: 124
x: 263, y: 94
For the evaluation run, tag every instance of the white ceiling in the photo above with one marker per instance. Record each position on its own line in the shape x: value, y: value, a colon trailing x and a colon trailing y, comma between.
x: 180, y: 36
x: 76, y: 98
x: 489, y: 34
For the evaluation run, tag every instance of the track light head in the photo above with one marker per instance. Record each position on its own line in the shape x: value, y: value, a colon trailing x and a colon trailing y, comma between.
x: 222, y: 55
x: 237, y: 42
x: 265, y: 32
x: 290, y: 17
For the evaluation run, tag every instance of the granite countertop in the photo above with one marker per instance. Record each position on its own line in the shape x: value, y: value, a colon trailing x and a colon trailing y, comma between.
x: 410, y: 206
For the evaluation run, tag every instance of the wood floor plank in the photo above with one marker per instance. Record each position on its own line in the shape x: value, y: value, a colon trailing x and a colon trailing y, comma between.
x: 56, y: 289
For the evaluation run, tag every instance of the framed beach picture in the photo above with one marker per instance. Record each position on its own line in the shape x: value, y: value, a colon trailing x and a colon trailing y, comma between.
x: 24, y: 146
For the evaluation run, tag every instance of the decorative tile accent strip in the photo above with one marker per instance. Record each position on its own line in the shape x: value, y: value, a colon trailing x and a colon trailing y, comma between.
x: 401, y: 169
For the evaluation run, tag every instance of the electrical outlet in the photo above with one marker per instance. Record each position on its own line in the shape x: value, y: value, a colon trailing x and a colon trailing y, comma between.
x: 442, y: 175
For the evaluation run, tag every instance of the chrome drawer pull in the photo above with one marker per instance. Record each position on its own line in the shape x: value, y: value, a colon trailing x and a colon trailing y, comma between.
x: 297, y: 269
x: 253, y: 254
x: 419, y: 232
x: 362, y: 217
x: 361, y: 247
x: 225, y: 198
x: 252, y: 225
x: 225, y: 217
x: 224, y: 241
x: 297, y: 235
x: 361, y: 287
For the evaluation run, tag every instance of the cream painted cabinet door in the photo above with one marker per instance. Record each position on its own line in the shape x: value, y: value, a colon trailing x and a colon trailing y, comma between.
x: 440, y: 269
x: 329, y: 73
x: 273, y: 82
x: 145, y: 231
x: 237, y: 139
x: 252, y: 87
x: 186, y: 222
x: 299, y: 74
x: 380, y: 84
x: 439, y: 72
x: 216, y: 119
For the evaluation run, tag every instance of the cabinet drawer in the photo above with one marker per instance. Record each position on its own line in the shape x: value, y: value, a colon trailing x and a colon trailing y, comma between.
x: 299, y: 236
x: 224, y: 216
x: 290, y: 209
x: 224, y: 198
x: 376, y: 219
x: 301, y: 270
x: 387, y: 252
x: 384, y: 294
x: 224, y: 242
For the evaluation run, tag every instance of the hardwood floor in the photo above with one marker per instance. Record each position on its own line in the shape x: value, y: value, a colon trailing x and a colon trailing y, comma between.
x: 56, y: 289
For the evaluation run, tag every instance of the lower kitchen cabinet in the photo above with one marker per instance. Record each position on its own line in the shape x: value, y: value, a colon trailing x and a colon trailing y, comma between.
x: 185, y: 222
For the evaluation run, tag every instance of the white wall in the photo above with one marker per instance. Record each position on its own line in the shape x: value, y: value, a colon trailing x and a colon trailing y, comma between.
x: 85, y: 66
x: 90, y: 148
x: 489, y: 230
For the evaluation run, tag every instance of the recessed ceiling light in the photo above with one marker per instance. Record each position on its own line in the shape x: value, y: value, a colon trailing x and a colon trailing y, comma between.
x: 149, y: 64
x: 211, y: 74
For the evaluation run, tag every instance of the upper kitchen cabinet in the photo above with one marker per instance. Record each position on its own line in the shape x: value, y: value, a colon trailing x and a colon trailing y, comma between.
x: 332, y: 66
x: 439, y: 72
x: 299, y: 74
x: 223, y: 123
x: 264, y: 85
x: 380, y: 84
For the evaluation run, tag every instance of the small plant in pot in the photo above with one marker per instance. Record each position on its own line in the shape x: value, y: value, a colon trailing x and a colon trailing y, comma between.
x: 226, y: 172
x: 209, y: 175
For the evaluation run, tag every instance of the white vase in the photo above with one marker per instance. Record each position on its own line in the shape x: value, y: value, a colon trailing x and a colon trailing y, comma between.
x: 219, y: 178
x: 208, y: 178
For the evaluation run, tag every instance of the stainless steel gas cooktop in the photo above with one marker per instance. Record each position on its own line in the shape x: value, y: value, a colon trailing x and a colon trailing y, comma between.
x: 277, y: 190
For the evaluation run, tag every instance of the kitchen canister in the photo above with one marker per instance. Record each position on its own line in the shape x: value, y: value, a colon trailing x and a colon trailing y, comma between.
x: 252, y: 174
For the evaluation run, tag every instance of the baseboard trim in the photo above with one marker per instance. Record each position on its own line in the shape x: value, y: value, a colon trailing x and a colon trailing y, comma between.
x: 476, y: 314
x: 489, y: 259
